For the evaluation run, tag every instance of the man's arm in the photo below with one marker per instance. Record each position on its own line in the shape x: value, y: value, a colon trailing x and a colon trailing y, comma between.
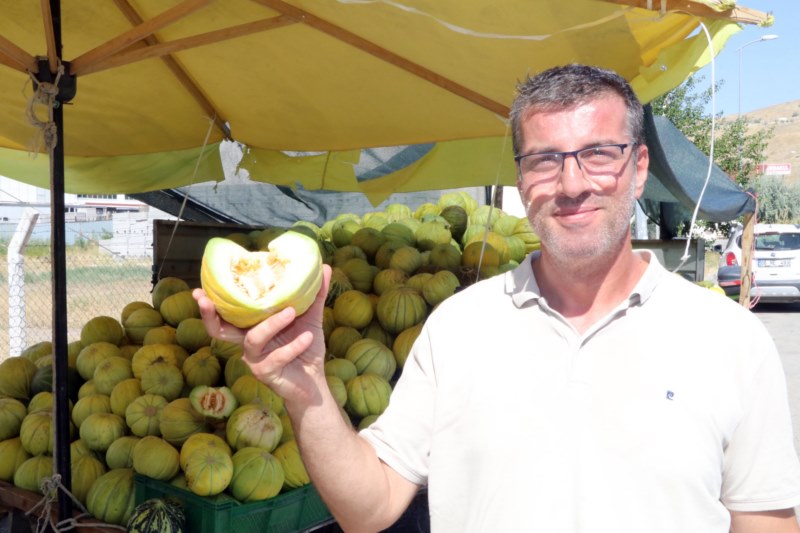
x: 287, y: 352
x: 781, y: 521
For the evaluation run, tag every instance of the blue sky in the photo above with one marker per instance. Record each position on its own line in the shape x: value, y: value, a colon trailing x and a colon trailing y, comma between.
x: 770, y: 69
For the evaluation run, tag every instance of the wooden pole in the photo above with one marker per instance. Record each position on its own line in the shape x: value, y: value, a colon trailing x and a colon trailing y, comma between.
x: 747, y: 258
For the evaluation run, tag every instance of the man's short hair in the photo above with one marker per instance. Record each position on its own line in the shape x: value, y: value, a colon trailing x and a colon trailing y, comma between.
x: 568, y: 86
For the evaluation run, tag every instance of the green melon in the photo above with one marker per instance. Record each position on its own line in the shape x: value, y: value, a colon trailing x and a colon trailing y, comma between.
x: 429, y: 234
x: 111, y: 371
x: 157, y: 515
x: 88, y: 405
x: 37, y: 432
x: 388, y: 279
x: 178, y: 307
x: 179, y: 420
x: 155, y: 458
x: 31, y: 472
x: 123, y: 393
x: 384, y: 254
x: 401, y: 308
x: 224, y: 350
x: 112, y: 496
x: 160, y: 335
x: 340, y: 340
x: 166, y: 287
x: 192, y: 334
x: 12, y: 413
x: 139, y: 322
x: 37, y: 350
x: 360, y: 273
x: 202, y: 368
x: 142, y: 416
x: 12, y: 455
x: 371, y: 356
x: 99, y: 430
x: 79, y: 447
x: 426, y: 209
x: 457, y: 217
x: 163, y: 379
x: 354, y: 309
x: 440, y: 286
x: 130, y: 308
x: 367, y: 394
x: 253, y: 425
x: 248, y: 389
x: 102, y: 329
x: 16, y: 376
x: 86, y: 469
x: 92, y: 355
x: 257, y: 475
x: 208, y: 471
x: 376, y: 332
x: 235, y: 368
x: 342, y: 368
x: 199, y: 442
x: 407, y: 259
x: 369, y: 240
x: 402, y: 344
x: 42, y: 381
x: 295, y: 473
x: 42, y: 400
x: 397, y: 231
x: 153, y: 354
x: 120, y: 452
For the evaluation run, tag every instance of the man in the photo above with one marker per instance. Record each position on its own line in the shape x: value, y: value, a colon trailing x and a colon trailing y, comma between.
x: 581, y: 392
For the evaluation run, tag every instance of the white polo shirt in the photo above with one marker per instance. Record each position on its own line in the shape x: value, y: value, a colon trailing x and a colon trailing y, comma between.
x: 665, y: 415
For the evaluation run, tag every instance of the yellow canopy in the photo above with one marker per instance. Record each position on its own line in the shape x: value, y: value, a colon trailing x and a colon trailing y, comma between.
x: 154, y: 75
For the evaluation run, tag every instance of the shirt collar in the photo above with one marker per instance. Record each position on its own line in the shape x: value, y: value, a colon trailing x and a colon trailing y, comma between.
x: 521, y: 285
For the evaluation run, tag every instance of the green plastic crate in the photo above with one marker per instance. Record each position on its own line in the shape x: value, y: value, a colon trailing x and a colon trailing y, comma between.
x: 296, y: 510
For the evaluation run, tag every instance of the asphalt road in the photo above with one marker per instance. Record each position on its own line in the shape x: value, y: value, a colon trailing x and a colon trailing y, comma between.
x: 783, y: 322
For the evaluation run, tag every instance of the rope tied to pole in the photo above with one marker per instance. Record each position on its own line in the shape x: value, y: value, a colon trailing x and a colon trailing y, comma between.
x: 49, y: 487
x: 44, y: 94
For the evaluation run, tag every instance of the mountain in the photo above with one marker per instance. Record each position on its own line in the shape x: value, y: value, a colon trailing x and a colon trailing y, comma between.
x: 784, y: 146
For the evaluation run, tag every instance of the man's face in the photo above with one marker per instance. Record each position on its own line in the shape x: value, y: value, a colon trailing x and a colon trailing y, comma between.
x: 581, y: 215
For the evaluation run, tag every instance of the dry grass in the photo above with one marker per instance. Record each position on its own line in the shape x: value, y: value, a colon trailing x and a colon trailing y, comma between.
x: 97, y: 284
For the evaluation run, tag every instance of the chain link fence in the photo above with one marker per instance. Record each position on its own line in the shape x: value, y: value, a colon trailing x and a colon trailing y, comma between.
x: 106, y: 270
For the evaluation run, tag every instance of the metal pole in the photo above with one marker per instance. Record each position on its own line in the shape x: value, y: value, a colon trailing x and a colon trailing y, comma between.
x: 61, y: 450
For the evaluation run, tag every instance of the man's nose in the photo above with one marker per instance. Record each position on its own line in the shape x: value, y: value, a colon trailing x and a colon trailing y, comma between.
x: 572, y: 182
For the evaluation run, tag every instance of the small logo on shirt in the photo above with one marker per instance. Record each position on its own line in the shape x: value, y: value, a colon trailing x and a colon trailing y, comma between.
x: 670, y: 395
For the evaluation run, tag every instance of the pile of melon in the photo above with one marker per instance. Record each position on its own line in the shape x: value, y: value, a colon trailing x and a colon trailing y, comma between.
x: 151, y: 393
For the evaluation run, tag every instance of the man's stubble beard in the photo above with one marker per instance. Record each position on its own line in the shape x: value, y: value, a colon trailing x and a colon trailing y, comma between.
x: 589, y: 246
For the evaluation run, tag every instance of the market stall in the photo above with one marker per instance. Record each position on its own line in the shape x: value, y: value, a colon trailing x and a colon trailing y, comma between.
x: 146, y: 93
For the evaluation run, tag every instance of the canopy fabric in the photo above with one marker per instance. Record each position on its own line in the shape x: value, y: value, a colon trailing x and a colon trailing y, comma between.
x: 319, y: 75
x: 677, y: 177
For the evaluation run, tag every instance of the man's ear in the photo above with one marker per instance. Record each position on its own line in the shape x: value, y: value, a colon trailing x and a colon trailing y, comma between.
x: 642, y: 164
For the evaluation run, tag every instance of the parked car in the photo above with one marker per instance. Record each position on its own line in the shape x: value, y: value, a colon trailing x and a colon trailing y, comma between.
x: 775, y: 263
x: 729, y: 277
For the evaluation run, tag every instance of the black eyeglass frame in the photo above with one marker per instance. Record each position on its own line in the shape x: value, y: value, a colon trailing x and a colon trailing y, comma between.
x: 574, y: 153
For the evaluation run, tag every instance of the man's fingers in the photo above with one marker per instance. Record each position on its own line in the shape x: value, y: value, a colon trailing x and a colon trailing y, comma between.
x: 256, y: 340
x: 273, y: 359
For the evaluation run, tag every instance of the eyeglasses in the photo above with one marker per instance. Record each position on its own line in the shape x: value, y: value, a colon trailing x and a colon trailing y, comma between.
x: 595, y: 162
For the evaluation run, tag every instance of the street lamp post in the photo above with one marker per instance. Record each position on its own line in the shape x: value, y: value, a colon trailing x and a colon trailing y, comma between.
x: 739, y: 50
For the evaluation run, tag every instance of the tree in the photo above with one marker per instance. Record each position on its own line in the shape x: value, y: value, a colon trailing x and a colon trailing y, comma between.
x: 736, y: 151
x: 778, y: 202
